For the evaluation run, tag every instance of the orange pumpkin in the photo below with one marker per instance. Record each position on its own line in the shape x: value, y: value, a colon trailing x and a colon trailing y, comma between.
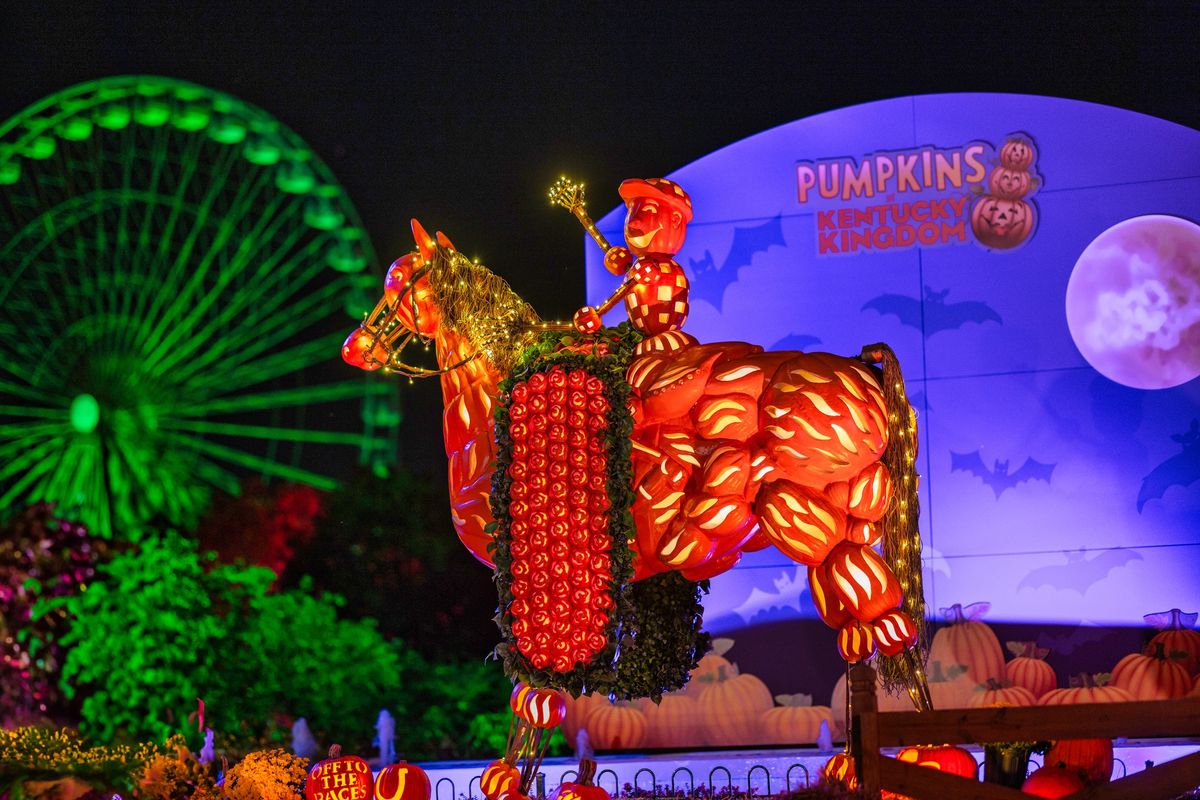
x: 732, y: 707
x: 583, y: 787
x: 996, y: 694
x: 499, y: 777
x: 839, y: 771
x: 578, y: 710
x: 794, y: 721
x: 1152, y: 677
x: 944, y: 758
x: 1092, y: 757
x: 616, y: 726
x: 949, y: 686
x: 402, y: 781
x: 1017, y: 153
x: 1177, y: 636
x: 1195, y: 692
x: 674, y: 722
x: 969, y: 642
x: 1029, y: 668
x: 706, y: 669
x: 1086, y: 689
x: 1053, y: 782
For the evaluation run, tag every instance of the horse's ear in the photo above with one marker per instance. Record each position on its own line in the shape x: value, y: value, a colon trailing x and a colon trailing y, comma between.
x: 424, y: 241
x: 444, y: 241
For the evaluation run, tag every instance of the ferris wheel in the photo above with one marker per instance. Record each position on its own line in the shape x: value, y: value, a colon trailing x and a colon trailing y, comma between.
x: 174, y: 265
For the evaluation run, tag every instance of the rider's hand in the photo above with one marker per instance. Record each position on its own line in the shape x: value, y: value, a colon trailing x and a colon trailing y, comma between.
x: 617, y: 260
x: 587, y: 320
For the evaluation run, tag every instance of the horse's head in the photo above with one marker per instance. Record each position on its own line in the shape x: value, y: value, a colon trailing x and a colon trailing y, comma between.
x: 436, y: 292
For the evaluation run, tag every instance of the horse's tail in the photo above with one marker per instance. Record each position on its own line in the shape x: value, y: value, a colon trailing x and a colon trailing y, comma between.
x: 901, y: 537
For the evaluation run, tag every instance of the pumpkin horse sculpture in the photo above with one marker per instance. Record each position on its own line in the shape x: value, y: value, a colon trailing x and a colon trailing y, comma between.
x: 583, y: 460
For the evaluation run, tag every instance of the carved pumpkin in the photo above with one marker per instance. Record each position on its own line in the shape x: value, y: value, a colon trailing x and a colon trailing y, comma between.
x: 499, y: 777
x: 616, y: 726
x: 1000, y: 223
x: 1053, y: 782
x: 1029, y: 669
x: 339, y: 778
x: 943, y: 758
x: 949, y: 686
x: 794, y: 721
x: 1092, y: 757
x: 1195, y: 692
x: 402, y: 781
x: 583, y: 787
x: 1017, y: 154
x: 1010, y: 184
x: 1086, y: 689
x: 839, y: 771
x: 1151, y: 677
x: 673, y: 722
x: 1177, y: 635
x: 996, y: 694
x: 732, y: 707
x: 969, y: 642
x: 712, y: 661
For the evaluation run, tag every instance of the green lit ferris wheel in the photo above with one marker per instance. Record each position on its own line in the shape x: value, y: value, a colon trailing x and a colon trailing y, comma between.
x: 174, y: 268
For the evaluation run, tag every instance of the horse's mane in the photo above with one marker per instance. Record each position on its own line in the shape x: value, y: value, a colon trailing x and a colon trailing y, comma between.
x: 480, y: 306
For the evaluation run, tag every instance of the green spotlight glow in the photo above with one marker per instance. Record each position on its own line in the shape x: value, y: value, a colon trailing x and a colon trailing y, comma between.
x: 85, y: 413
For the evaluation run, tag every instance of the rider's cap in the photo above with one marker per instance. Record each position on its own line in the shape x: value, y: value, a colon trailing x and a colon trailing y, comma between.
x: 659, y: 189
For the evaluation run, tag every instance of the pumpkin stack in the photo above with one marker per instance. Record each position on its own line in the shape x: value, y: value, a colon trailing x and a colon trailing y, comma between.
x: 1003, y: 217
x: 968, y: 641
x: 1092, y: 757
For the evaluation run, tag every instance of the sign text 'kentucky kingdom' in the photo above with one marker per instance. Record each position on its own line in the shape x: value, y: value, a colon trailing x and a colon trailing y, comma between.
x: 927, y: 197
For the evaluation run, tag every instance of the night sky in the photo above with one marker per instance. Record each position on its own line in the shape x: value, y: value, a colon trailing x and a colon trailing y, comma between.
x: 462, y: 114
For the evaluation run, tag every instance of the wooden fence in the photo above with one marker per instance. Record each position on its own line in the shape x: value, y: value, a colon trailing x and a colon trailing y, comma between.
x: 1143, y: 720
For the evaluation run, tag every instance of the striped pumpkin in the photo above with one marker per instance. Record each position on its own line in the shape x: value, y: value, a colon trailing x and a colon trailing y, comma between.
x: 1086, y: 689
x: 616, y: 726
x: 674, y: 722
x: 794, y: 721
x: 732, y: 709
x: 1177, y: 635
x: 996, y: 694
x: 969, y: 642
x: 1029, y: 668
x: 1152, y: 677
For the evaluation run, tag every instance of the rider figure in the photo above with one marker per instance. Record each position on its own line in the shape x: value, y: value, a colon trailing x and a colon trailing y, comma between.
x: 655, y: 289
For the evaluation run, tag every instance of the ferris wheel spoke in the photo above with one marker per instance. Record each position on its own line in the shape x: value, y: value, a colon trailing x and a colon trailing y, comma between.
x: 28, y: 392
x: 267, y: 467
x: 267, y: 367
x: 257, y: 335
x: 36, y: 460
x: 265, y: 432
x: 283, y: 398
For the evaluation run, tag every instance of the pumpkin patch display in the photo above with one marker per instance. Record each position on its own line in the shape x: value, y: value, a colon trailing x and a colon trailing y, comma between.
x: 1053, y: 782
x: 885, y: 701
x: 709, y: 664
x: 950, y: 686
x: 996, y: 694
x: 616, y: 726
x: 968, y: 641
x: 1086, y: 689
x: 1178, y: 636
x: 794, y: 721
x: 1028, y: 668
x: 583, y: 787
x: 1092, y: 758
x: 339, y: 778
x: 577, y: 711
x: 1151, y: 677
x: 732, y: 707
x: 402, y: 781
x: 673, y: 722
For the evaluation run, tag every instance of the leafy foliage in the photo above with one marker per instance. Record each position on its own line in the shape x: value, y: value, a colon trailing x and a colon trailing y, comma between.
x: 34, y: 753
x: 42, y: 556
x: 158, y: 631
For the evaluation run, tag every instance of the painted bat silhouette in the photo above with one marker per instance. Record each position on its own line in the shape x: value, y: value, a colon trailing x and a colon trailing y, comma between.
x: 938, y: 314
x: 795, y: 341
x: 1080, y: 573
x: 787, y: 595
x: 998, y: 477
x: 1181, y: 469
x: 708, y: 281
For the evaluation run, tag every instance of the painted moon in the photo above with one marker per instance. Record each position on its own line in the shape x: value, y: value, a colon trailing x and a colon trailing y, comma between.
x: 1133, y: 302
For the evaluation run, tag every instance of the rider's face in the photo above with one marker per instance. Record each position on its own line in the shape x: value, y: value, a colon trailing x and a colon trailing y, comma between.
x: 653, y: 228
